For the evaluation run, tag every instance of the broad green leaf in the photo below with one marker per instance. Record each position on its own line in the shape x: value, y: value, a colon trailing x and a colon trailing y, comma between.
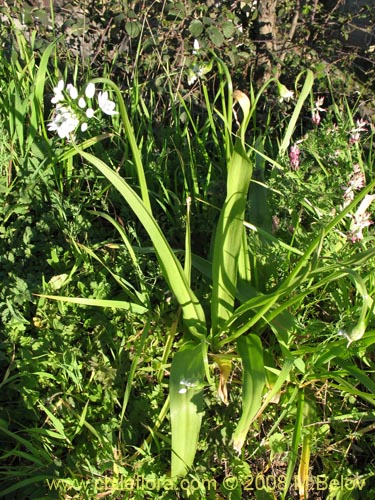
x: 228, y: 29
x: 253, y: 381
x: 171, y: 268
x: 186, y: 405
x: 133, y: 28
x: 196, y: 28
x: 215, y: 36
x: 230, y: 229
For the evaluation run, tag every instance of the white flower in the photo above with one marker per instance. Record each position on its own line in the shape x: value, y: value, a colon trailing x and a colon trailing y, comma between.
x: 191, y: 79
x: 84, y: 127
x: 90, y: 112
x: 361, y: 126
x: 319, y: 103
x: 284, y: 93
x: 57, y: 91
x: 107, y: 106
x: 360, y: 219
x: 81, y: 103
x: 195, y: 71
x: 90, y: 90
x: 73, y: 92
x: 64, y: 122
x: 196, y: 46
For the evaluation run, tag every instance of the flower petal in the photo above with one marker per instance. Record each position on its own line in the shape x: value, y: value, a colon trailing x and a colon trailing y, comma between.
x: 90, y: 90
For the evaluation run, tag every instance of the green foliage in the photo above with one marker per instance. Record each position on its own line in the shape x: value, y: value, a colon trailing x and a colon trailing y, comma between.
x: 217, y: 265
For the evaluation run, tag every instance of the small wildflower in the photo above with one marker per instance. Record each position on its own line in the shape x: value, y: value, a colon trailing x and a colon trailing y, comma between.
x: 294, y: 157
x: 107, y: 106
x: 71, y: 113
x: 196, y: 47
x: 316, y: 118
x: 360, y: 219
x: 357, y: 179
x: 355, y: 132
x: 90, y: 112
x: 354, y: 138
x: 361, y: 126
x: 73, y: 92
x: 195, y: 72
x: 318, y: 104
x: 356, y: 182
x: 348, y: 196
x: 81, y: 103
x: 57, y: 91
x: 284, y: 93
x: 64, y: 122
x: 359, y: 223
x: 90, y: 90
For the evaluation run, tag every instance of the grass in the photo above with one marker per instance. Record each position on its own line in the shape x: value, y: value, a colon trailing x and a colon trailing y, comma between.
x: 184, y: 312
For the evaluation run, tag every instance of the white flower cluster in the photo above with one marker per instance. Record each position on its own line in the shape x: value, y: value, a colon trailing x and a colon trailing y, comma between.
x: 73, y: 110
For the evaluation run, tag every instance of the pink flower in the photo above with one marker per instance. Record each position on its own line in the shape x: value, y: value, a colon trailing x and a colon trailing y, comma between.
x: 318, y: 104
x: 361, y: 126
x: 356, y: 132
x: 360, y: 219
x: 356, y: 182
x: 316, y: 118
x: 294, y: 157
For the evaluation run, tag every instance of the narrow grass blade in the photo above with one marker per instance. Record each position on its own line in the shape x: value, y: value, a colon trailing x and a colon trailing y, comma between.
x: 296, y: 441
x: 281, y: 378
x: 57, y: 424
x: 132, y: 370
x: 188, y: 259
x: 128, y: 247
x: 304, y: 466
x: 25, y: 482
x: 127, y: 287
x: 254, y: 378
x: 186, y: 406
x: 38, y: 453
x: 132, y: 141
x: 116, y: 304
x: 309, y: 81
x: 36, y: 115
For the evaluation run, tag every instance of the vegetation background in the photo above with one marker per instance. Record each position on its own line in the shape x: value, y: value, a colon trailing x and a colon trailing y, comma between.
x: 90, y: 390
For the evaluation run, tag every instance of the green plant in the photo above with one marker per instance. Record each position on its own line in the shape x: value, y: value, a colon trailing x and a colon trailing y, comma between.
x: 230, y: 255
x: 279, y: 311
